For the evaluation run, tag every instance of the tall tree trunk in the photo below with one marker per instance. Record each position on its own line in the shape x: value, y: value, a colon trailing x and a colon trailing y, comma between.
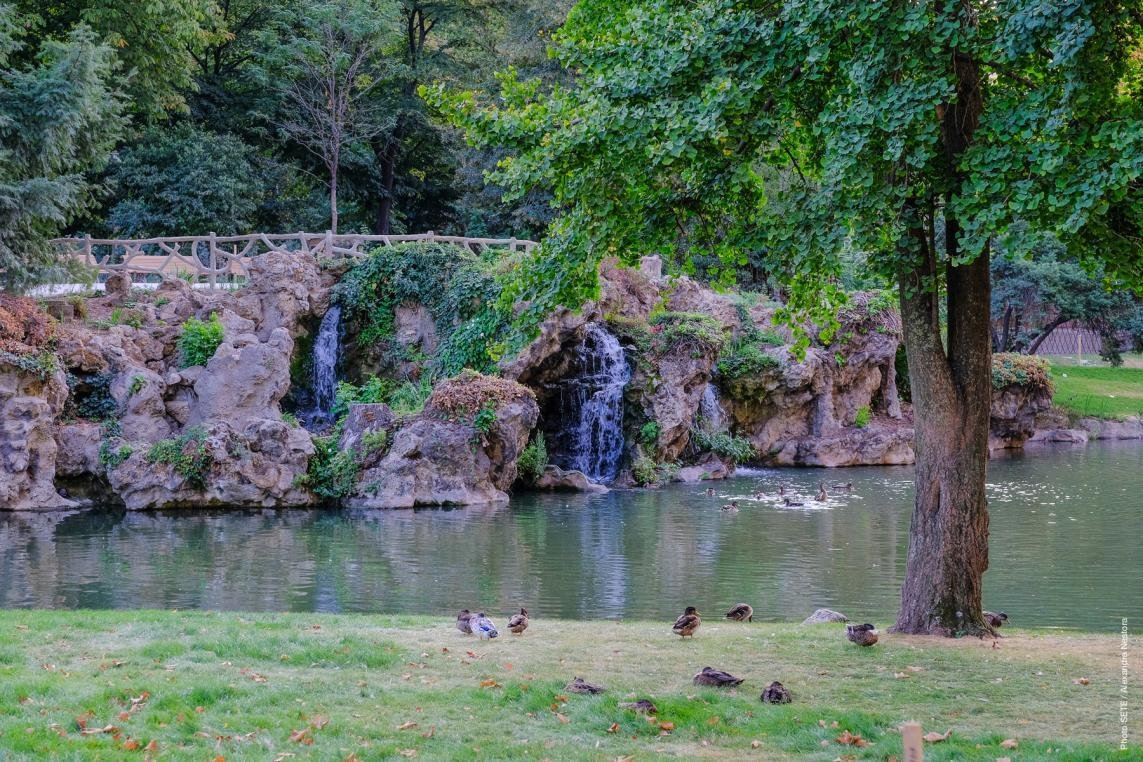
x: 1004, y: 337
x: 952, y: 397
x: 385, y: 149
x: 1060, y: 320
x: 333, y: 198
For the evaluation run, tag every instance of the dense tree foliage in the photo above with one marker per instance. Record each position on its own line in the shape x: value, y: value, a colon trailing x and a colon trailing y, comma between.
x: 59, y: 119
x: 805, y: 130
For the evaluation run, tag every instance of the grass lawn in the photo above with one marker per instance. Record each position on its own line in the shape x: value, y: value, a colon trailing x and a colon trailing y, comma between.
x: 1101, y: 392
x: 203, y: 686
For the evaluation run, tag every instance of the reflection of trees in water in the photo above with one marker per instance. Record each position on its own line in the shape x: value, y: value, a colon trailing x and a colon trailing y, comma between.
x: 628, y: 554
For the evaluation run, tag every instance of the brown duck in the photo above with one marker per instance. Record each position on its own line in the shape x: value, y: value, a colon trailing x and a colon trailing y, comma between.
x: 464, y: 621
x: 776, y: 693
x: 741, y: 612
x: 519, y: 622
x: 579, y: 685
x: 716, y: 678
x: 996, y: 620
x: 687, y: 623
x: 861, y: 634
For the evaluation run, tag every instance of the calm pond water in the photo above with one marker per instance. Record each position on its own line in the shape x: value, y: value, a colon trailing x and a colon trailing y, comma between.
x: 1065, y: 551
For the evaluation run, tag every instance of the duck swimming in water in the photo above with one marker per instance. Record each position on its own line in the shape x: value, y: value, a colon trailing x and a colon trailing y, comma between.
x: 822, y: 496
x: 687, y: 623
x: 731, y: 507
x: 791, y: 502
x: 483, y: 628
x: 861, y: 634
x: 710, y: 491
x: 741, y: 612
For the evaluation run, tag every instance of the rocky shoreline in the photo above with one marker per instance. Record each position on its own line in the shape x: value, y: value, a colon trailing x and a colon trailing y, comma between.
x: 96, y: 405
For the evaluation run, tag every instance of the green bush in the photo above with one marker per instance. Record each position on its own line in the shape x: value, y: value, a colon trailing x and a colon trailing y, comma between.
x: 649, y: 434
x: 534, y: 459
x: 645, y: 471
x: 186, y: 453
x: 199, y: 340
x: 374, y: 390
x: 745, y: 358
x: 43, y: 364
x: 374, y: 441
x: 485, y: 418
x: 861, y: 418
x: 681, y: 329
x: 90, y: 397
x: 1021, y: 370
x: 332, y: 472
x: 734, y: 449
x: 111, y: 457
x: 410, y: 397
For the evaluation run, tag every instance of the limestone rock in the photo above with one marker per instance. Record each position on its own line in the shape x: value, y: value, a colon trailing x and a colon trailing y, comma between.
x: 1015, y: 409
x: 440, y: 458
x: 710, y: 466
x: 283, y: 289
x: 364, y: 419
x: 78, y: 449
x: 1097, y: 428
x: 557, y: 479
x: 1059, y: 436
x: 256, y: 466
x: 881, y: 443
x: 29, y: 404
x: 543, y: 359
x: 825, y: 615
x: 245, y: 379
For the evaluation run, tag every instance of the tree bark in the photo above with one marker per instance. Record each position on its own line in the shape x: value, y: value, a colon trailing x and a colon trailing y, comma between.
x: 1045, y: 334
x: 385, y: 153
x: 952, y: 397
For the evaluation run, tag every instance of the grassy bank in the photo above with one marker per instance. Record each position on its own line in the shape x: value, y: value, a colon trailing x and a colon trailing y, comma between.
x: 198, y: 686
x: 1102, y: 392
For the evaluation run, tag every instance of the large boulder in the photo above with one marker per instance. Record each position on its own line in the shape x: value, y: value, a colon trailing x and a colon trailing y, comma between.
x: 1022, y: 393
x: 462, y: 450
x: 216, y: 464
x: 557, y: 479
x: 284, y: 288
x: 31, y: 396
x: 244, y: 380
x: 882, y: 443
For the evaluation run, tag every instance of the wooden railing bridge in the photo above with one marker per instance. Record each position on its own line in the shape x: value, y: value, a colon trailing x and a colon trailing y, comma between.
x: 222, y: 261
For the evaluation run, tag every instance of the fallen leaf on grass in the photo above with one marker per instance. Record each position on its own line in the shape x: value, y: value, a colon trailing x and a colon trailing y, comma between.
x: 302, y: 736
x: 1009, y: 743
x: 562, y: 698
x: 613, y: 728
x: 667, y: 726
x: 124, y: 716
x: 131, y: 745
x: 850, y: 739
x: 563, y: 718
x: 199, y: 709
x: 319, y: 722
x: 915, y: 669
x: 490, y: 683
x: 473, y: 654
x: 408, y: 752
x: 846, y: 758
x: 152, y: 746
x: 935, y: 737
x: 901, y: 675
x: 97, y: 731
x: 1082, y: 681
x: 407, y: 725
x: 430, y: 732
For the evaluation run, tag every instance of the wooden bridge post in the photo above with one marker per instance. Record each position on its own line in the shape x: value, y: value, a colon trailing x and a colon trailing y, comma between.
x: 213, y: 260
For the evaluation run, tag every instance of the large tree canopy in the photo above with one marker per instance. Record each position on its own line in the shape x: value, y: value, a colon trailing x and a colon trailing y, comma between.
x: 811, y: 128
x: 59, y: 120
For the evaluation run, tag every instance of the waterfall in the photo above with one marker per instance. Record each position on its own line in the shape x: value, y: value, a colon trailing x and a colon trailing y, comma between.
x: 710, y: 410
x: 591, y: 407
x: 325, y: 363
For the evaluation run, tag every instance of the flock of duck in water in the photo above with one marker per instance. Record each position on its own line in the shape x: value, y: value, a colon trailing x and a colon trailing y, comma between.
x: 792, y: 501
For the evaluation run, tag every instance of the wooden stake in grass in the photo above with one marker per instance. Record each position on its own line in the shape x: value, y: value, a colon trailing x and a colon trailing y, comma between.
x: 912, y: 746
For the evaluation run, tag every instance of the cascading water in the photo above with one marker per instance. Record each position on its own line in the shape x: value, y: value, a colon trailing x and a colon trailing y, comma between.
x: 591, y: 407
x: 710, y: 410
x: 325, y: 364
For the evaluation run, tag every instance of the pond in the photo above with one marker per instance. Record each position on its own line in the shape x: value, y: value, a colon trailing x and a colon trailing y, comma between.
x: 1064, y: 550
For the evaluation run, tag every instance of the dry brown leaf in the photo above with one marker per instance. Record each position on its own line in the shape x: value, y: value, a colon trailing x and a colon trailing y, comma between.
x: 563, y: 718
x: 490, y: 683
x: 131, y: 745
x: 1009, y: 743
x: 152, y: 746
x: 97, y: 731
x: 713, y: 720
x: 613, y: 728
x: 199, y: 709
x: 667, y: 726
x: 301, y: 736
x: 562, y: 698
x: 1082, y: 681
x: 407, y: 725
x: 625, y: 759
x: 430, y: 732
x: 408, y: 752
x: 901, y: 675
x: 124, y: 716
x: 915, y: 669
x: 219, y: 758
x: 1004, y: 759
x: 935, y: 737
x: 846, y: 758
x: 319, y: 722
x: 351, y: 758
x: 851, y: 739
